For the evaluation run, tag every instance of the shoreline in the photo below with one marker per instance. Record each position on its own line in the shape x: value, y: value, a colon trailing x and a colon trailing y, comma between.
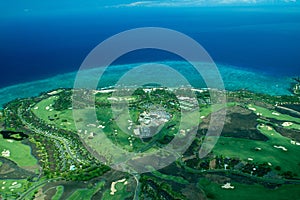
x: 232, y: 76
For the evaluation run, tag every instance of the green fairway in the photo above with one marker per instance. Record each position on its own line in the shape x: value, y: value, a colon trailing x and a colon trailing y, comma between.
x: 176, y: 179
x: 10, y: 186
x: 82, y: 194
x: 249, y: 192
x: 120, y: 194
x: 244, y: 149
x: 272, y: 114
x: 18, y: 152
x: 59, y: 192
x: 61, y: 119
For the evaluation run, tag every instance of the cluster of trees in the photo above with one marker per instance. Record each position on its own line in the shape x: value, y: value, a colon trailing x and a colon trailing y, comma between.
x: 63, y: 101
x: 53, y: 157
x: 157, y: 189
x: 87, y: 172
x: 257, y: 169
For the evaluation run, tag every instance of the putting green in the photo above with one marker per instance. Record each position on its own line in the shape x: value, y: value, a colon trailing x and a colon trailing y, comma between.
x: 17, y: 152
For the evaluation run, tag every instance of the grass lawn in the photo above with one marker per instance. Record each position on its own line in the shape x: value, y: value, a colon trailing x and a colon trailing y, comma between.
x: 242, y: 148
x: 10, y: 186
x: 269, y: 114
x: 249, y: 192
x: 59, y: 192
x: 82, y: 194
x: 63, y: 119
x: 176, y: 179
x: 120, y: 194
x: 19, y: 153
x: 293, y: 126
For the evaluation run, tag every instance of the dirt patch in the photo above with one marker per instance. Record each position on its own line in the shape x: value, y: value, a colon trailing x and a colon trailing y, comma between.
x: 192, y: 192
x: 69, y: 188
x: 289, y: 133
x: 174, y: 170
x: 10, y: 170
x: 217, y: 178
x: 288, y: 110
x: 239, y: 123
x: 50, y: 193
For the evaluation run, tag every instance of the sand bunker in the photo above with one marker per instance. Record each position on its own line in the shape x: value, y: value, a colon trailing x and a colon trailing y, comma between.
x: 253, y: 109
x: 275, y: 113
x: 113, y: 184
x: 5, y: 153
x: 287, y: 124
x: 280, y: 147
x: 227, y: 186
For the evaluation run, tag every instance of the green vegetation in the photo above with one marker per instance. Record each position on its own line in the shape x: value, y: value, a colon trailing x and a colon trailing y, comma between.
x: 59, y: 118
x: 176, y: 179
x: 121, y: 193
x: 246, y: 150
x: 59, y: 192
x: 271, y: 114
x: 264, y: 157
x: 10, y: 187
x: 82, y: 194
x: 248, y: 192
x: 18, y: 152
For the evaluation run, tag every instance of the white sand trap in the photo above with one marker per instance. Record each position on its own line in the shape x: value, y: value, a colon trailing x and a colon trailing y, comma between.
x: 101, y: 126
x: 269, y: 128
x: 2, y: 188
x: 202, y: 117
x: 113, y: 184
x: 253, y: 109
x: 10, y: 141
x: 16, y: 186
x: 53, y: 92
x: 5, y: 153
x: 275, y: 113
x: 47, y: 108
x: 103, y: 91
x: 280, y: 147
x: 227, y: 186
x: 36, y: 108
x: 293, y: 142
x: 250, y: 159
x: 287, y: 124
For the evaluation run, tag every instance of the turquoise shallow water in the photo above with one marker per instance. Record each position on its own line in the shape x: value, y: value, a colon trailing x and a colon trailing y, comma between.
x: 234, y: 78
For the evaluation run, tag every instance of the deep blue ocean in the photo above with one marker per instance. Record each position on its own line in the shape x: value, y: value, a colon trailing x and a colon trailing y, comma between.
x: 261, y: 40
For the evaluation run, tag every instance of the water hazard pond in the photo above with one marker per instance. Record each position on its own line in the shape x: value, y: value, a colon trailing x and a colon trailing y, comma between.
x: 18, y: 136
